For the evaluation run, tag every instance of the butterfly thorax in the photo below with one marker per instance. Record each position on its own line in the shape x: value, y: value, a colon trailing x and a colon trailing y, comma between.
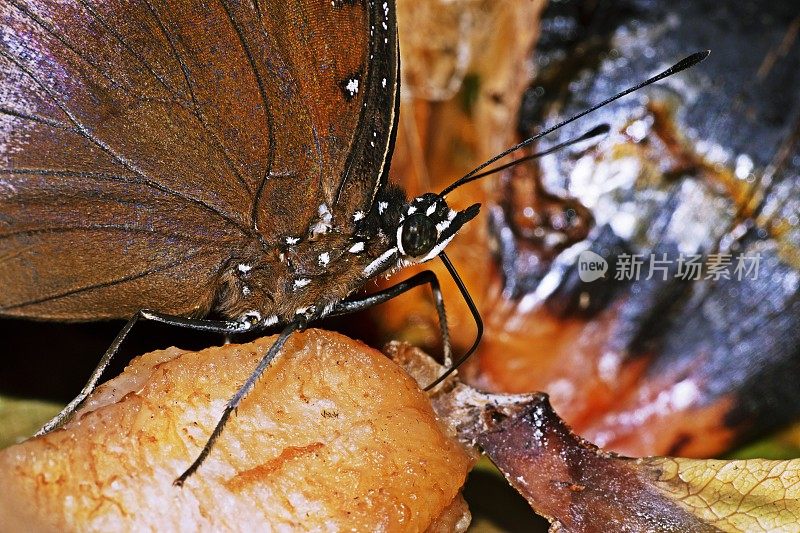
x: 309, y: 274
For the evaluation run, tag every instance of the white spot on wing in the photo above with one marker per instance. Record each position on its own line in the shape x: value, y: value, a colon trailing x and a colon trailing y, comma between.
x: 357, y: 247
x: 324, y: 258
x: 430, y: 209
x: 292, y: 240
x: 244, y: 269
x: 382, y: 207
x: 358, y: 215
x: 352, y: 86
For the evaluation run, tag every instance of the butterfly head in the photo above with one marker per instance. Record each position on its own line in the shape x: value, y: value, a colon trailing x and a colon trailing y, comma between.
x: 426, y: 225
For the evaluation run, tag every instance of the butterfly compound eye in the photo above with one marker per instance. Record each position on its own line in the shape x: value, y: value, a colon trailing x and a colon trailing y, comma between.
x: 418, y: 235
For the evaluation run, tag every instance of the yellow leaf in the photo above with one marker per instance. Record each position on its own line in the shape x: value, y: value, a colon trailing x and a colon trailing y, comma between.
x: 746, y: 495
x: 19, y: 419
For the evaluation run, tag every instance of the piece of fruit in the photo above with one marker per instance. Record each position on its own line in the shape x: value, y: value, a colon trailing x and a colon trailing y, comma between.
x: 334, y: 436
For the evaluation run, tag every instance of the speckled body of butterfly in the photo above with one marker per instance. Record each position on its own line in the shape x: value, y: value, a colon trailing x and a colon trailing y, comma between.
x: 163, y: 161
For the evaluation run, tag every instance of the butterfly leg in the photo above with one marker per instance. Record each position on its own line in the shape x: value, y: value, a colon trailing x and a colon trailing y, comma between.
x: 476, y: 316
x: 350, y: 306
x: 422, y: 278
x: 213, y: 326
x: 298, y: 324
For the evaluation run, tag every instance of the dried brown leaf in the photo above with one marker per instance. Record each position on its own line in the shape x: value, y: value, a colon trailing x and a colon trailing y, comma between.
x: 581, y: 488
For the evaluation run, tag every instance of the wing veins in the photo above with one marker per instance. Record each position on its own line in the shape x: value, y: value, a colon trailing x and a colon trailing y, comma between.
x: 314, y: 132
x: 265, y: 102
x: 46, y: 27
x: 187, y: 76
x: 71, y: 174
x: 102, y: 176
x: 184, y: 69
x: 90, y: 227
x: 47, y: 121
x: 130, y: 50
x: 123, y: 162
x: 100, y: 285
x: 367, y: 109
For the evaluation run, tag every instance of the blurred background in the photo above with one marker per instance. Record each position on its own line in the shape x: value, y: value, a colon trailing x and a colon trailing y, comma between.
x: 704, y: 167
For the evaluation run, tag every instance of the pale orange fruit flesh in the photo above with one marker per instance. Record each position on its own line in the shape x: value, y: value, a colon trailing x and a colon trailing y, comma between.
x: 335, y: 436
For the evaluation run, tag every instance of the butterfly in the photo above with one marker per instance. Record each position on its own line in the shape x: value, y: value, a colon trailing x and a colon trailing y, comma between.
x: 164, y: 161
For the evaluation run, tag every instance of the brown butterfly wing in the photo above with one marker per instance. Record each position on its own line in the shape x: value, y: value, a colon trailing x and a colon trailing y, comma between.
x: 334, y: 67
x: 143, y: 143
